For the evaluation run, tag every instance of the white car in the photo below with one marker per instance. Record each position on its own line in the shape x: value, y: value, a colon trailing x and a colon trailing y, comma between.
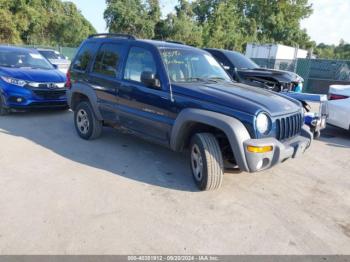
x: 61, y: 62
x: 339, y: 106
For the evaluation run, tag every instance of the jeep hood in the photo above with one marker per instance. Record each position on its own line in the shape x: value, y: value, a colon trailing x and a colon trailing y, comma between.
x: 239, y: 97
x: 33, y: 75
x: 278, y: 75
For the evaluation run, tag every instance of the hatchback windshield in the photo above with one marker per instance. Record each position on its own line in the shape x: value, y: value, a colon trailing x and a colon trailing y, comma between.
x: 51, y: 54
x: 240, y: 61
x: 191, y: 66
x: 23, y: 59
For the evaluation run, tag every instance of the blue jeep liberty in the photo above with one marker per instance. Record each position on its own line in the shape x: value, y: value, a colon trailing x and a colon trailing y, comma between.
x: 180, y: 97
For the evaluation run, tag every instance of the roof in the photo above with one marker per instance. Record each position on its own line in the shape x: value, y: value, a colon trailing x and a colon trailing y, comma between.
x: 127, y: 38
x: 12, y: 48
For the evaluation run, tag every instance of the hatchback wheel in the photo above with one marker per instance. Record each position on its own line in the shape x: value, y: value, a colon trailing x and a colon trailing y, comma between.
x: 206, y: 161
x: 86, y: 123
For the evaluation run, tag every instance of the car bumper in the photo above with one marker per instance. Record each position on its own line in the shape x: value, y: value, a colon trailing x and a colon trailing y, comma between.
x: 35, y: 99
x: 278, y: 151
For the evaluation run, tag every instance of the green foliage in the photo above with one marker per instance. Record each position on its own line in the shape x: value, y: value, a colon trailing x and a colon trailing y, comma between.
x: 134, y: 17
x: 45, y: 22
x: 229, y: 24
x: 342, y: 51
x: 180, y: 26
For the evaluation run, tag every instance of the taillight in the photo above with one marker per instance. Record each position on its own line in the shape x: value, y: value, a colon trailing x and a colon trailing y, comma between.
x: 336, y: 97
x: 68, y: 81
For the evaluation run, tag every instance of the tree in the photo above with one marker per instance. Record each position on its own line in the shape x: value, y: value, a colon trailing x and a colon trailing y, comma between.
x: 278, y: 21
x: 341, y: 51
x: 224, y: 26
x: 132, y: 17
x: 45, y: 22
x: 233, y: 23
x: 180, y: 26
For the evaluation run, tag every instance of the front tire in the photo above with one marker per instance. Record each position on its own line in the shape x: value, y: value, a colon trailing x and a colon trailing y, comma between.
x: 206, y: 161
x: 87, y: 125
x: 3, y: 109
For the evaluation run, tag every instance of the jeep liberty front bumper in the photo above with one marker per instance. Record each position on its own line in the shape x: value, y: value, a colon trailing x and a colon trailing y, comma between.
x: 261, y: 154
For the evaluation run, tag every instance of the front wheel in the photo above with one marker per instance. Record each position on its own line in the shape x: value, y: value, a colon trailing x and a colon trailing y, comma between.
x: 86, y: 123
x: 206, y: 161
x: 3, y: 109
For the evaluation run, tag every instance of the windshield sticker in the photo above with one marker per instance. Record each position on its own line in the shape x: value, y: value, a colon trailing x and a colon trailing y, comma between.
x: 35, y: 56
x: 211, y: 60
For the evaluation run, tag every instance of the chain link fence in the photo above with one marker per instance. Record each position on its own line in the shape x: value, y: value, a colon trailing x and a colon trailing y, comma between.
x: 318, y: 74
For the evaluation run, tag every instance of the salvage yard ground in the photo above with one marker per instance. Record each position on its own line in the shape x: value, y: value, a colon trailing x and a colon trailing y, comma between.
x: 121, y: 195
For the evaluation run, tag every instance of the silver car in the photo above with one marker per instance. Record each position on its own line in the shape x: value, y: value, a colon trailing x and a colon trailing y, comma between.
x: 58, y: 60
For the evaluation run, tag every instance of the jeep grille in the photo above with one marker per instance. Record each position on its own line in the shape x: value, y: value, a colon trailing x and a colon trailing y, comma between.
x: 288, y: 127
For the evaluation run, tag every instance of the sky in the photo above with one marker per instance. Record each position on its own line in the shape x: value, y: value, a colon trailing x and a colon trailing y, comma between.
x: 329, y: 23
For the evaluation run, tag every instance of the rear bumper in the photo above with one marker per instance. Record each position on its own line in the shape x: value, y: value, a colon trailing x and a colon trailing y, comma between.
x: 280, y: 151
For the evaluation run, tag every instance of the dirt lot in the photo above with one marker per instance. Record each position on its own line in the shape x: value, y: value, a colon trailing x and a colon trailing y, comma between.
x: 120, y: 195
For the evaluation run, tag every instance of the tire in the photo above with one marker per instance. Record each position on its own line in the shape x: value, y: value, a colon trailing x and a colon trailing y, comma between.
x: 87, y: 125
x: 317, y: 134
x: 205, y: 149
x: 3, y: 110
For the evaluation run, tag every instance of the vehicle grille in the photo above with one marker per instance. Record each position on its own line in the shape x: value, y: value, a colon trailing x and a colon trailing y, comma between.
x: 288, y: 127
x: 50, y: 94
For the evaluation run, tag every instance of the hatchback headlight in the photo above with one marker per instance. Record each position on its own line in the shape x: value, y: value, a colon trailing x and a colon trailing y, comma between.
x: 14, y: 81
x: 263, y: 123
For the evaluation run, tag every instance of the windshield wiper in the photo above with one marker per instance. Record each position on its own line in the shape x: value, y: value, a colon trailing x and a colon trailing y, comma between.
x: 195, y: 79
x: 217, y: 78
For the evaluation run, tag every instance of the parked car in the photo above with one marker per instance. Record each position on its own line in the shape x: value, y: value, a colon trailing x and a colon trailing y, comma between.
x: 244, y: 70
x: 180, y: 97
x: 58, y: 60
x: 339, y: 106
x: 28, y: 80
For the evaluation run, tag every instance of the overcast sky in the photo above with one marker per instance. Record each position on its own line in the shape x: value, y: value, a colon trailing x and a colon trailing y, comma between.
x: 329, y: 23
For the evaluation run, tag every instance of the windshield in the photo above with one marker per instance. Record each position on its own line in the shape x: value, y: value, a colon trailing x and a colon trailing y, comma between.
x: 23, y: 59
x: 51, y: 54
x: 240, y: 61
x: 192, y: 66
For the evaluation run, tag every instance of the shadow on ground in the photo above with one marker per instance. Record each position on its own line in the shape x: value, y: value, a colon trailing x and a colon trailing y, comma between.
x: 117, y: 153
x: 336, y: 137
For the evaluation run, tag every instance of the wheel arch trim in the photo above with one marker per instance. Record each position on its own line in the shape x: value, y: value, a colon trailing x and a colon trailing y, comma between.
x: 235, y: 131
x: 89, y: 92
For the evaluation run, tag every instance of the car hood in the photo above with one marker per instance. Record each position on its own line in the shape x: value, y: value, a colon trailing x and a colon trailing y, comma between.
x: 34, y: 75
x: 240, y: 97
x: 279, y: 75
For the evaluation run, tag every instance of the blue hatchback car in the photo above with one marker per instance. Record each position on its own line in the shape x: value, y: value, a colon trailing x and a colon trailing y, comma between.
x: 28, y: 80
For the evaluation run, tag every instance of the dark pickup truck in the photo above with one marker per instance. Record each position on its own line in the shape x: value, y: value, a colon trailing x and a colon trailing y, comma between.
x: 180, y: 97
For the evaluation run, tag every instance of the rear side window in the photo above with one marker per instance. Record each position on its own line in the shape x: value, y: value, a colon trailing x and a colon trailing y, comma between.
x: 107, y: 60
x: 139, y: 60
x: 84, y: 57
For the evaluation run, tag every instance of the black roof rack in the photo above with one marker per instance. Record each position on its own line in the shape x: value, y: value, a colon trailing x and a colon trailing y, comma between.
x: 131, y: 37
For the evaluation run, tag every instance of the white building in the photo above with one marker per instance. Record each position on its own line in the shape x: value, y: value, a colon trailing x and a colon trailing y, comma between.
x: 274, y: 51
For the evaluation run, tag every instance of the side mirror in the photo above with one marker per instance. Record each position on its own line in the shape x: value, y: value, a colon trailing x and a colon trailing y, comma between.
x: 150, y: 80
x: 55, y: 66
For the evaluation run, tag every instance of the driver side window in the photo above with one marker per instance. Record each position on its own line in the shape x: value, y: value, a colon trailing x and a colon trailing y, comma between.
x: 139, y: 60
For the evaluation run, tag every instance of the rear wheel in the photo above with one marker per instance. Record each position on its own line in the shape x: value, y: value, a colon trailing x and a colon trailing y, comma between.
x: 3, y: 109
x: 206, y: 161
x: 86, y: 123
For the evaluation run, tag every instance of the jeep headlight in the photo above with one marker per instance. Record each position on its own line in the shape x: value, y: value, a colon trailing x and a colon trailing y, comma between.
x: 14, y: 81
x: 263, y: 123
